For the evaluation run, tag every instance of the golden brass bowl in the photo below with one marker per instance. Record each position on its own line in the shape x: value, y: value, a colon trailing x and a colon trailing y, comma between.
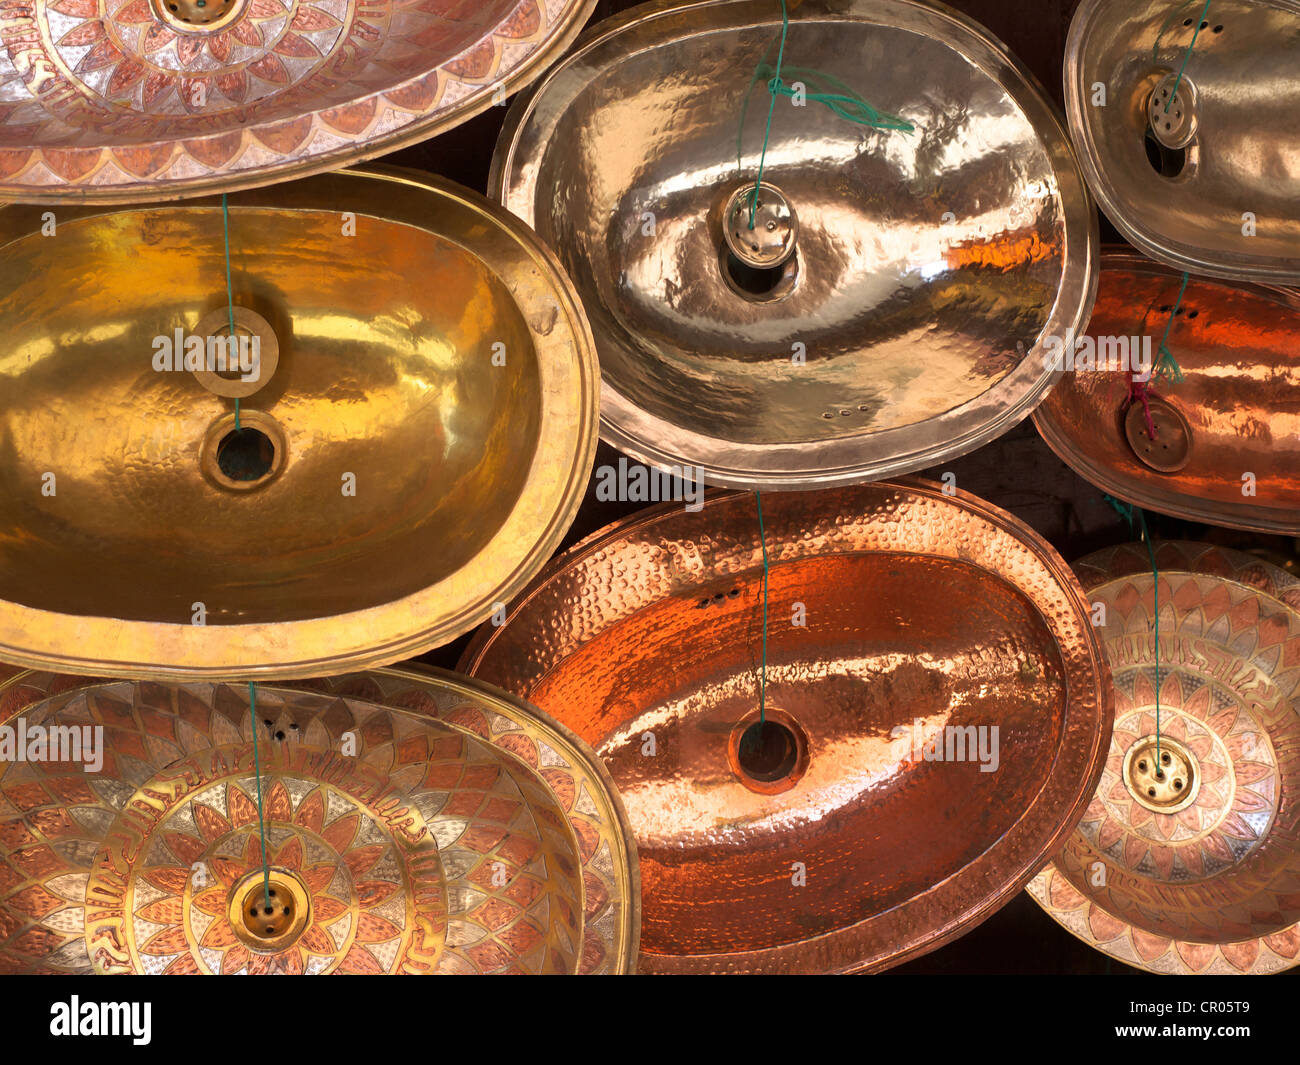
x: 426, y: 435
x: 459, y: 833
x: 1202, y: 170
x: 899, y: 617
x: 902, y: 294
x: 1236, y: 412
x: 137, y: 100
x: 1198, y: 872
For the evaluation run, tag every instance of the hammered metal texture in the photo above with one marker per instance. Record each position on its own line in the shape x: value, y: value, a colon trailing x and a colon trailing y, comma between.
x: 103, y: 100
x: 428, y: 850
x: 1236, y: 345
x: 1189, y: 207
x: 466, y: 470
x: 919, y: 608
x: 928, y: 266
x: 1215, y: 887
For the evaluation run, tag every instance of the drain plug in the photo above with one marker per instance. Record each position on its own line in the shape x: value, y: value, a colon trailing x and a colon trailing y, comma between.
x: 255, y: 344
x: 1165, y: 782
x: 1171, y: 449
x: 770, y: 241
x: 268, y: 917
x: 1176, y: 127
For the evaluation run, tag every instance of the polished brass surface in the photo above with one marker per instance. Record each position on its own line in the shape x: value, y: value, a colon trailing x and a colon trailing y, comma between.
x: 432, y: 422
x: 1238, y: 404
x: 248, y: 324
x: 907, y: 325
x: 1217, y: 190
x: 1208, y: 882
x: 465, y: 834
x: 919, y: 611
x: 141, y: 100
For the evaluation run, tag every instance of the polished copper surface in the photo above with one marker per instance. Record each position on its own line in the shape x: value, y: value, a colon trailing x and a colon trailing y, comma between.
x: 1213, y: 184
x: 138, y: 100
x: 1238, y: 404
x: 906, y: 324
x: 428, y: 430
x: 840, y: 847
x: 466, y: 834
x: 1207, y: 882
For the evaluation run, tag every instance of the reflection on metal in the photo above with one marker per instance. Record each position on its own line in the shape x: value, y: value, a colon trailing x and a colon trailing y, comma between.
x: 902, y: 620
x: 1236, y: 411
x: 906, y: 325
x: 433, y: 411
x: 1209, y: 882
x: 1206, y: 179
x: 467, y: 834
x: 138, y: 100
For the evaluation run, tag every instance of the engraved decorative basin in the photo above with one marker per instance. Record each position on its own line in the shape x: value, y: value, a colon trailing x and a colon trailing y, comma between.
x: 450, y: 829
x: 799, y: 820
x: 412, y: 444
x: 1200, y: 171
x: 1189, y: 861
x: 1223, y: 445
x: 890, y: 311
x: 137, y: 100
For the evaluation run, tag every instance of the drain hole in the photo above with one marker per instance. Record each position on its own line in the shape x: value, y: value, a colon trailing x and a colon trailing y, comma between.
x: 245, y: 454
x: 757, y: 281
x: 768, y: 751
x: 1167, y: 162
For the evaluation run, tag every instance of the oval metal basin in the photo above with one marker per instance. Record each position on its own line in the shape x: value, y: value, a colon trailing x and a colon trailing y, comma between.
x: 1235, y: 412
x: 415, y: 456
x: 137, y: 100
x: 926, y: 267
x: 823, y: 837
x: 1201, y: 172
x: 439, y: 846
x: 1197, y: 870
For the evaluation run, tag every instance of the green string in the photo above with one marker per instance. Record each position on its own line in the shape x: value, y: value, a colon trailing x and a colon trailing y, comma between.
x: 1178, y: 80
x: 1131, y: 514
x: 1167, y: 366
x: 257, y: 774
x: 230, y: 289
x: 762, y: 676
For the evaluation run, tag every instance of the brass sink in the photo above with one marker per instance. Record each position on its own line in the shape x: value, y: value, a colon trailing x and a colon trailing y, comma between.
x: 138, y: 100
x: 414, y: 455
x: 1236, y: 412
x: 462, y: 832
x: 894, y: 311
x: 797, y: 821
x: 1195, y: 156
x: 1188, y: 861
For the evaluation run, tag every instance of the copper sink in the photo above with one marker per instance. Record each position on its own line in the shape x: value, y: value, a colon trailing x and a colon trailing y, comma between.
x: 1194, y: 155
x: 1236, y: 411
x: 1198, y: 872
x: 913, y: 277
x: 821, y: 838
x: 137, y: 100
x: 465, y: 834
x: 417, y: 450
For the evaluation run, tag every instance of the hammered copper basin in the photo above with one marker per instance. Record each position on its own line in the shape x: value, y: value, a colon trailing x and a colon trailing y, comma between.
x: 1224, y: 442
x: 1189, y: 861
x: 904, y: 280
x: 133, y: 100
x: 411, y: 837
x: 824, y: 838
x: 412, y: 455
x: 1188, y: 129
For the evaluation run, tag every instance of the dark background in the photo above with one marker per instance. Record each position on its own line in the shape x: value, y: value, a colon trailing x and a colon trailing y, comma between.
x: 1017, y: 472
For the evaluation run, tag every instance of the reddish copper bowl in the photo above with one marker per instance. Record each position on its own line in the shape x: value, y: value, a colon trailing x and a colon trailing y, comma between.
x: 826, y: 840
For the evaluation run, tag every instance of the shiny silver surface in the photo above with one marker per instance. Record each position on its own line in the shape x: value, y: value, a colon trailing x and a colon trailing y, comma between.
x: 1187, y: 203
x: 928, y: 266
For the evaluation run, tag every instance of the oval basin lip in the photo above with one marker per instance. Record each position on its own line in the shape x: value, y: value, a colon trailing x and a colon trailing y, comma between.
x: 412, y: 624
x: 278, y: 150
x: 1133, y: 483
x: 689, y: 553
x: 1099, y: 151
x: 782, y: 465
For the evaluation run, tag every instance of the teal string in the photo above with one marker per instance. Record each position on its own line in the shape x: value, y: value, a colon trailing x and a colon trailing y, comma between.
x: 257, y: 774
x: 762, y: 676
x: 1168, y: 366
x: 771, y: 108
x: 1196, y: 32
x: 230, y: 288
x: 1133, y: 514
